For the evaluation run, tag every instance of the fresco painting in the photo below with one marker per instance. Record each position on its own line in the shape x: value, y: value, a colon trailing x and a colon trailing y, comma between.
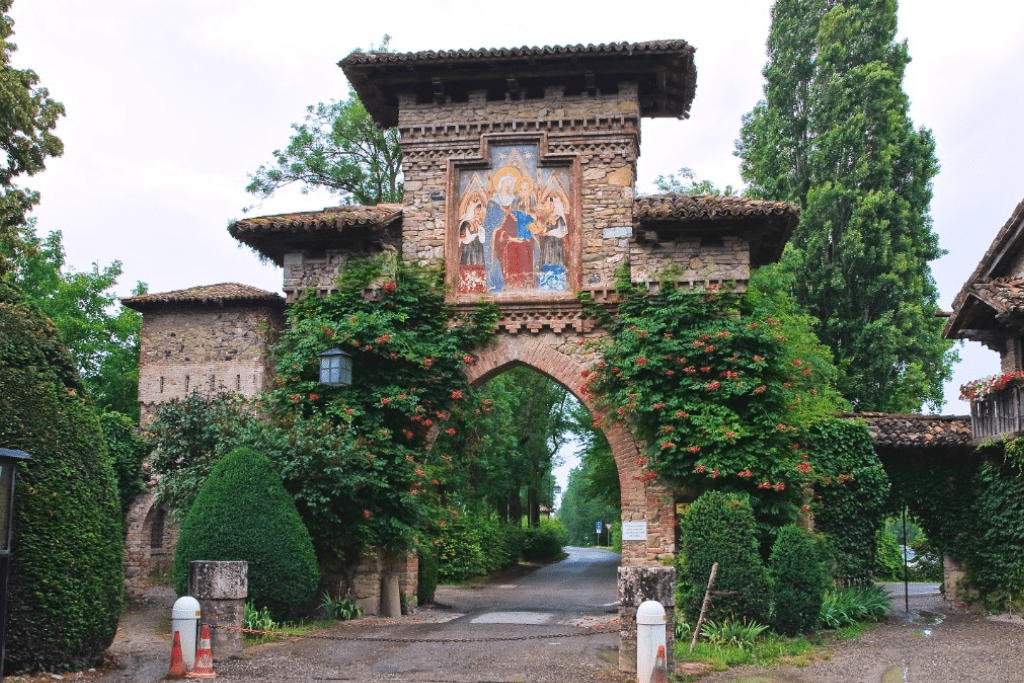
x: 513, y: 223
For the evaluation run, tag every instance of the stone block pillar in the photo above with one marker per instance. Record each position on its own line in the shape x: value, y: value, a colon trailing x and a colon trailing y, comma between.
x: 637, y: 584
x: 221, y: 589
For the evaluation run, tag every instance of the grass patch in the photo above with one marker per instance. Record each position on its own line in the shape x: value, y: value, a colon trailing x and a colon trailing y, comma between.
x: 299, y: 628
x: 770, y: 650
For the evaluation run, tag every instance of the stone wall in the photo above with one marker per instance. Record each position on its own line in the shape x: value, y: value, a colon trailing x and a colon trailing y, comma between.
x: 204, y: 349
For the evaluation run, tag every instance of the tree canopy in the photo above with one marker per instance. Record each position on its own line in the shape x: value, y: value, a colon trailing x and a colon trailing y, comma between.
x: 101, y: 335
x: 834, y: 136
x: 339, y: 148
x: 27, y: 117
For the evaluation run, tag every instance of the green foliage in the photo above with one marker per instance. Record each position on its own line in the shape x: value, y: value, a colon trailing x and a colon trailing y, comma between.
x: 471, y: 545
x: 850, y: 494
x: 856, y: 603
x: 579, y: 514
x: 720, y: 527
x: 459, y: 552
x: 978, y: 520
x: 101, y: 334
x: 798, y: 581
x: 189, y: 436
x: 428, y: 576
x: 66, y: 581
x: 128, y: 450
x: 737, y: 634
x: 341, y: 608
x: 544, y: 542
x: 834, y: 136
x: 679, y: 184
x: 719, y: 386
x: 888, y: 558
x: 340, y: 148
x: 257, y: 619
x: 244, y: 513
x: 26, y: 120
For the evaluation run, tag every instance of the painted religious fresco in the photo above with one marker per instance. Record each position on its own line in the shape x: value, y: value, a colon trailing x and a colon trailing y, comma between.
x: 514, y: 221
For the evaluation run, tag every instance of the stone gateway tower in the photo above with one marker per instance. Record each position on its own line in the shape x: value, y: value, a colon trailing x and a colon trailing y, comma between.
x: 519, y: 169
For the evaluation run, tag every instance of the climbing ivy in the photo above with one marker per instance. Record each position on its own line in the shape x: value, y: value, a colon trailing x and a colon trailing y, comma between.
x: 973, y: 508
x: 851, y: 495
x: 714, y: 384
x: 354, y: 458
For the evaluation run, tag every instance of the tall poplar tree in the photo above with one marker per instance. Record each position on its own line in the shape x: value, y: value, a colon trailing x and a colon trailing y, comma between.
x: 834, y: 136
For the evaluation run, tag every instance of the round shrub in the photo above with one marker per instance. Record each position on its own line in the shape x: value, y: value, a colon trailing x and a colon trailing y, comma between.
x: 720, y: 527
x: 544, y: 542
x: 243, y: 512
x: 798, y: 581
x: 66, y: 583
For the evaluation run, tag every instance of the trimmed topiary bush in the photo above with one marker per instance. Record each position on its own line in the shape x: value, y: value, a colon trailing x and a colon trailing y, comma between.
x: 798, y: 581
x: 720, y: 527
x: 66, y: 584
x: 243, y: 512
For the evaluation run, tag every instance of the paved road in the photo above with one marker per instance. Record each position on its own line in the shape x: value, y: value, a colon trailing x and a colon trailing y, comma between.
x: 548, y: 608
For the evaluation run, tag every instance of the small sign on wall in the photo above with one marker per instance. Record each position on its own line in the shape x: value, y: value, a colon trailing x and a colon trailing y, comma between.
x: 634, y: 531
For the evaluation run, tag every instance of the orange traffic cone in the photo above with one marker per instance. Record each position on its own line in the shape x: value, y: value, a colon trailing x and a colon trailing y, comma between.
x: 204, y: 657
x: 659, y: 674
x: 177, y: 663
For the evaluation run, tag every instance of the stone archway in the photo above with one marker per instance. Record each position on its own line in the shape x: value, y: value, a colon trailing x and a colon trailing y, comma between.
x: 641, y: 502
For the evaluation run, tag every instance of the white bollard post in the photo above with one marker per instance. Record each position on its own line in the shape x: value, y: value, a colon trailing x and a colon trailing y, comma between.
x: 650, y: 633
x: 185, y: 620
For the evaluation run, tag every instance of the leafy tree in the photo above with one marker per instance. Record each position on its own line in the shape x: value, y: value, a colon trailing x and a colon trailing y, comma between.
x: 102, y: 335
x: 833, y: 135
x: 578, y: 512
x: 340, y: 148
x: 27, y: 117
x: 687, y: 183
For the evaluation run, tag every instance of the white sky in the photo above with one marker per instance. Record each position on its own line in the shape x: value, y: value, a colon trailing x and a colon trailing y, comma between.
x: 171, y: 104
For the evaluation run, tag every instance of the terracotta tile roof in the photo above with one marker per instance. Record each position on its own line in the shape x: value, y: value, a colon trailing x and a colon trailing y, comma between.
x: 768, y: 224
x: 663, y: 69
x: 272, y: 236
x: 220, y: 295
x: 990, y: 293
x: 918, y: 432
x: 708, y: 207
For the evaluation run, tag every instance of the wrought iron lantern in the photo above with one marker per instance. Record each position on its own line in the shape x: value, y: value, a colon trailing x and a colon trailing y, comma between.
x: 335, y: 368
x: 9, y: 460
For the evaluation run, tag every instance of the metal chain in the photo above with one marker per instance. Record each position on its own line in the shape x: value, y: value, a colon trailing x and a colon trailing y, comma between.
x: 577, y: 634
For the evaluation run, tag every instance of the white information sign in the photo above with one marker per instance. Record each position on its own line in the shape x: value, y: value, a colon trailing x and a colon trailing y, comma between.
x: 634, y: 531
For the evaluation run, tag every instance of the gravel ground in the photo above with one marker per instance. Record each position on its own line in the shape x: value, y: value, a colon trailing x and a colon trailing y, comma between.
x: 931, y: 644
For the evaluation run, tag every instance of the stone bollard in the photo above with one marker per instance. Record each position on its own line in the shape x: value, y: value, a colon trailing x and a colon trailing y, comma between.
x: 221, y: 588
x: 637, y: 585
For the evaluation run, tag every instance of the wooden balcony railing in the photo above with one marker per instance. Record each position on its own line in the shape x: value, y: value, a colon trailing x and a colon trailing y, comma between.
x: 999, y: 416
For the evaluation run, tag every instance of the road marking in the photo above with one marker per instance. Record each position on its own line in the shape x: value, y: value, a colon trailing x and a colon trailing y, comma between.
x: 512, y: 618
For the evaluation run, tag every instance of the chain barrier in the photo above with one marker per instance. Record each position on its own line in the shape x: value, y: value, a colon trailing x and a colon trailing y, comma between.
x: 385, y: 639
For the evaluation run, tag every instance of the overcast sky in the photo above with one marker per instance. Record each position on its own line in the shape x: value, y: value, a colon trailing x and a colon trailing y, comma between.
x: 171, y: 104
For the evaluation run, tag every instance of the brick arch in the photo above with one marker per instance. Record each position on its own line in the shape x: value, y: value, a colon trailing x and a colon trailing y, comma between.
x: 640, y: 502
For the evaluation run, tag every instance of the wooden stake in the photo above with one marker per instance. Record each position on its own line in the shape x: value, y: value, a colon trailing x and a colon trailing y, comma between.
x: 704, y: 606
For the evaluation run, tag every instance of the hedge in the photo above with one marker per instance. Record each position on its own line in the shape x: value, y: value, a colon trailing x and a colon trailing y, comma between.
x: 66, y: 585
